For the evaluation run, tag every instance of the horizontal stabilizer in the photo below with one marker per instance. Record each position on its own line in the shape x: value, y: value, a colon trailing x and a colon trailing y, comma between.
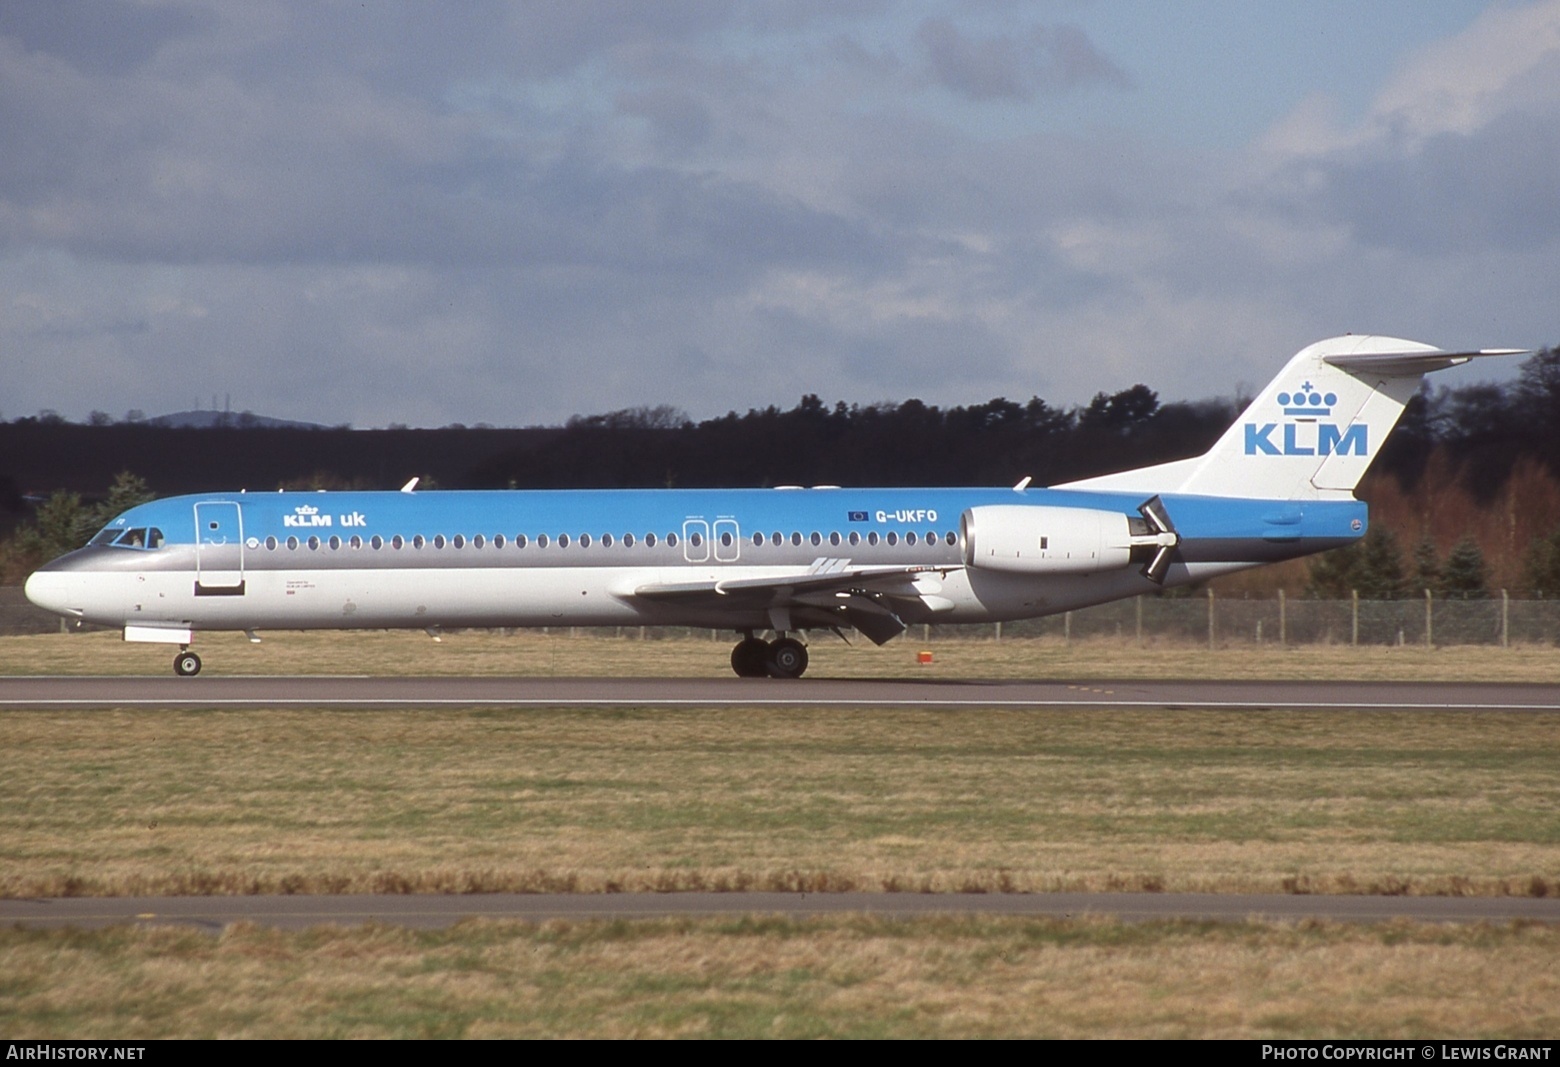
x: 1412, y: 364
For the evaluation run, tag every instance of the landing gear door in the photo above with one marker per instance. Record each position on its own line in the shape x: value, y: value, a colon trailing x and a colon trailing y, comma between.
x: 219, y: 549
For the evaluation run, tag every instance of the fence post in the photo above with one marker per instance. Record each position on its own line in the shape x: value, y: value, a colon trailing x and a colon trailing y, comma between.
x: 1283, y: 620
x: 1139, y: 599
x: 1354, y: 617
x: 1429, y: 634
x: 1505, y: 619
x: 1067, y: 627
x: 1210, y: 619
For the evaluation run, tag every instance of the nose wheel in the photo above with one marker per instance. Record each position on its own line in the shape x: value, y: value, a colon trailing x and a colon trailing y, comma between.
x: 186, y: 664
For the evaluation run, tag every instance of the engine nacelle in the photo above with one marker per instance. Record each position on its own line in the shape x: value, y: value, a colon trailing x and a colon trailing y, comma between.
x: 1031, y: 539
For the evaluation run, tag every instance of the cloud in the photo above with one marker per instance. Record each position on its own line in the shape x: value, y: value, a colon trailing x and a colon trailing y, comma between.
x: 1009, y: 67
x: 515, y: 212
x: 1456, y: 154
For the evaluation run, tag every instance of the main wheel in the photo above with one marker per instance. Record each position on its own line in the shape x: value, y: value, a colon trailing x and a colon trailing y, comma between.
x: 787, y: 658
x: 186, y: 664
x: 750, y: 658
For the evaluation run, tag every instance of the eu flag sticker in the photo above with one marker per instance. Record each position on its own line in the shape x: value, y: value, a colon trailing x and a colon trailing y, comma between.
x: 858, y: 516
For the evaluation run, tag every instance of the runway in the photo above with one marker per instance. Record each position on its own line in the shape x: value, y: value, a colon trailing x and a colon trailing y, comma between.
x: 426, y: 912
x: 335, y: 691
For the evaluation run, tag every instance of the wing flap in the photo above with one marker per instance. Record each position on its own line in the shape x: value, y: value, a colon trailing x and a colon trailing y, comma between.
x: 873, y: 600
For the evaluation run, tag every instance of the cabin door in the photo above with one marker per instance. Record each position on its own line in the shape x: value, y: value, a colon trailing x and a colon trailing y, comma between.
x: 219, y: 549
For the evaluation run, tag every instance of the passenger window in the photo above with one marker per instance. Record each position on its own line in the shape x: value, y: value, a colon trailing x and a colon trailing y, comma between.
x: 418, y: 541
x: 855, y: 538
x: 541, y: 541
x: 314, y: 543
x: 270, y: 544
x: 292, y: 543
x: 459, y: 541
x: 952, y: 538
x: 563, y: 540
x: 498, y: 540
x: 834, y: 537
x: 520, y: 540
x: 758, y: 540
x: 893, y: 538
x: 335, y: 542
x: 649, y: 540
x: 910, y: 538
x: 356, y: 542
x: 796, y: 538
x: 606, y: 540
x: 397, y: 542
x: 584, y: 540
x: 478, y: 541
x: 438, y: 540
x: 872, y: 538
x: 817, y: 538
x: 776, y: 539
x: 628, y: 540
x: 671, y: 539
x: 696, y: 539
x: 376, y: 542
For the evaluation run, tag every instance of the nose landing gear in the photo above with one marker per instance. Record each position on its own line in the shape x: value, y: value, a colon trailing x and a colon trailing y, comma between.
x: 753, y: 657
x: 186, y: 664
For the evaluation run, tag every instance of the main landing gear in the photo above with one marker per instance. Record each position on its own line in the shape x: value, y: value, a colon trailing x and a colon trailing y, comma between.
x: 186, y: 664
x: 784, y: 657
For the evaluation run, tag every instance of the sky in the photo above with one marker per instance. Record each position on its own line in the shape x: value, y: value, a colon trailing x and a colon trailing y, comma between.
x: 513, y: 212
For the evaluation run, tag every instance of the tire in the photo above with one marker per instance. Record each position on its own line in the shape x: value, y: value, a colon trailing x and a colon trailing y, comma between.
x: 750, y: 658
x: 787, y: 658
x: 186, y: 664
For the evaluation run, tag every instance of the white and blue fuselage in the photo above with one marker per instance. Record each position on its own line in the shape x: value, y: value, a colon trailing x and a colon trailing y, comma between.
x: 591, y: 558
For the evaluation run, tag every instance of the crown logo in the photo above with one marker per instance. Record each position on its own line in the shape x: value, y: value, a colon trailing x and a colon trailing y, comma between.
x: 306, y: 509
x: 1307, y: 401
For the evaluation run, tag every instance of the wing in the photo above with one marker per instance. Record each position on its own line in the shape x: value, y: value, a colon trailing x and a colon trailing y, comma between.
x: 875, y: 600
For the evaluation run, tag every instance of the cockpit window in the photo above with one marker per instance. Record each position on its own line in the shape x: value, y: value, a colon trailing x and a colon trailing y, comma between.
x: 135, y: 537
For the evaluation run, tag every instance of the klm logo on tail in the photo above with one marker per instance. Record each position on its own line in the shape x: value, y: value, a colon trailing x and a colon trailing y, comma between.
x: 1308, y: 435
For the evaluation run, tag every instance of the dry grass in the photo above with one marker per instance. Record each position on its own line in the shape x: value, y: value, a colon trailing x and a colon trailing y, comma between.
x: 770, y: 977
x: 131, y: 802
x: 530, y: 653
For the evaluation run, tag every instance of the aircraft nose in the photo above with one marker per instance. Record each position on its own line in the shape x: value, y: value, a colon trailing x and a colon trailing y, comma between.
x: 54, y: 591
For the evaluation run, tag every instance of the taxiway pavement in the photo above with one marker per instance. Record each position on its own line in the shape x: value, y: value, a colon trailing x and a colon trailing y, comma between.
x: 301, y: 912
x: 335, y: 691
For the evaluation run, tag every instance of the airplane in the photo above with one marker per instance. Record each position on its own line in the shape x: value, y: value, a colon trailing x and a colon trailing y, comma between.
x: 1277, y: 485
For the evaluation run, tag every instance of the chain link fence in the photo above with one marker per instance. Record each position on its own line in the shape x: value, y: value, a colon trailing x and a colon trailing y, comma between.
x: 1206, y: 620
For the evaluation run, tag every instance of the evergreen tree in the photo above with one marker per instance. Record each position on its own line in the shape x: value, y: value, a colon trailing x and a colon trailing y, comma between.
x: 1427, y: 565
x: 1381, y: 566
x: 1464, y: 576
x: 1541, y: 566
x: 1331, y: 575
x: 1373, y: 567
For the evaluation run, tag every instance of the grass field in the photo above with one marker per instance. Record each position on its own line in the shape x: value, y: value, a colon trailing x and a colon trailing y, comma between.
x: 237, y: 801
x: 769, y: 977
x: 531, y: 653
x: 464, y: 800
